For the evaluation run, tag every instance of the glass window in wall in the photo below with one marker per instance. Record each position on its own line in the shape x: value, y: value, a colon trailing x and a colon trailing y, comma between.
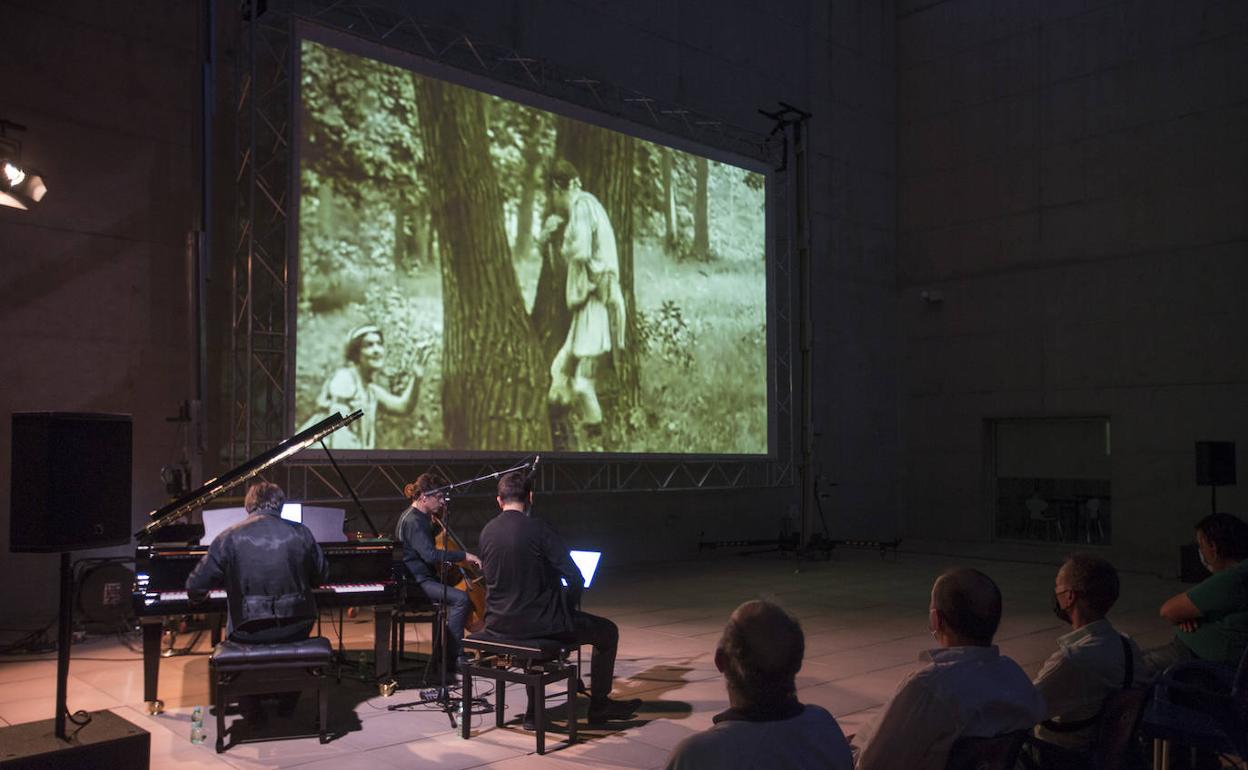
x: 1052, y: 479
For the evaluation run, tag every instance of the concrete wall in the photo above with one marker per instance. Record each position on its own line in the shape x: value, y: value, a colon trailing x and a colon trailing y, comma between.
x: 92, y: 281
x: 1073, y: 180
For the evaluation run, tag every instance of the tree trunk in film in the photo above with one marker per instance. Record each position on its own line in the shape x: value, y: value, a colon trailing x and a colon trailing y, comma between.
x: 670, y: 234
x: 606, y: 161
x: 528, y: 190
x: 701, y: 215
x: 494, y: 381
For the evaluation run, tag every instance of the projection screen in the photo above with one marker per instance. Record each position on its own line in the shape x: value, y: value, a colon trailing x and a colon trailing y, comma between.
x: 481, y: 275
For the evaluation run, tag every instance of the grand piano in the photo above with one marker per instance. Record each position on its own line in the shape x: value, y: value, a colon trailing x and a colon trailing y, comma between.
x: 360, y: 572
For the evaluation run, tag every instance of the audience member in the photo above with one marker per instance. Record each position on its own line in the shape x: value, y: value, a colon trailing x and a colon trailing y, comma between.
x: 765, y: 725
x: 1212, y: 617
x: 968, y: 689
x: 1092, y: 661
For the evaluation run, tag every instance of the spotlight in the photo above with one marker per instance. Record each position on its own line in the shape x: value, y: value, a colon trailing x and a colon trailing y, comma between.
x: 20, y: 185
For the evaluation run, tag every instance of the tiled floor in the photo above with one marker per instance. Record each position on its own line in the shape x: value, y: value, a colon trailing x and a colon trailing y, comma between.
x: 865, y: 622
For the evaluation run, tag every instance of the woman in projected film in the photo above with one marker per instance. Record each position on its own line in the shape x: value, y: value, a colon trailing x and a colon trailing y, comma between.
x: 593, y: 296
x: 353, y: 387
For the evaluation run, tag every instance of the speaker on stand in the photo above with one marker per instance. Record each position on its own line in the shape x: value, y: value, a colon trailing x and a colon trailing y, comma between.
x: 1215, y: 467
x: 70, y: 481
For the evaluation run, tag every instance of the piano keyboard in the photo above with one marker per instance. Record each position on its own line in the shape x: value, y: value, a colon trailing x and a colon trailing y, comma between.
x: 180, y: 596
x: 337, y: 588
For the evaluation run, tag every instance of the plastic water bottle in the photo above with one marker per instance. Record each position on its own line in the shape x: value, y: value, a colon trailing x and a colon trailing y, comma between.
x: 197, y: 725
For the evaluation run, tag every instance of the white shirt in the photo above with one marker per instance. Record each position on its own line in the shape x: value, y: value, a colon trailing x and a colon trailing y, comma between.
x: 965, y: 691
x: 812, y: 739
x: 1075, y: 680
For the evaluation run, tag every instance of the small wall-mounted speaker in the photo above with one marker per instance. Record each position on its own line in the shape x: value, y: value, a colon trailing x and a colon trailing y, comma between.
x: 70, y: 481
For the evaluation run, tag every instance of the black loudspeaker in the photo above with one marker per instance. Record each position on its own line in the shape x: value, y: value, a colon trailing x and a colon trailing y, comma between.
x: 1215, y: 463
x: 70, y: 481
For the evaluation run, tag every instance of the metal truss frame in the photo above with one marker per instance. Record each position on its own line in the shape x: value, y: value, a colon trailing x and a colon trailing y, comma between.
x: 259, y: 404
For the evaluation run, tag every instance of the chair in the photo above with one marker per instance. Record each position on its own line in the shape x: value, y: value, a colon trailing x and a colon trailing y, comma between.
x: 1092, y: 520
x: 1037, y: 513
x: 413, y: 607
x: 1209, y: 715
x: 1000, y: 752
x: 1115, y: 747
x: 261, y: 669
x: 535, y: 663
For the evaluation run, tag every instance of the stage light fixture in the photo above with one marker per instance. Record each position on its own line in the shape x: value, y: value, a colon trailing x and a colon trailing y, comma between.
x: 20, y: 185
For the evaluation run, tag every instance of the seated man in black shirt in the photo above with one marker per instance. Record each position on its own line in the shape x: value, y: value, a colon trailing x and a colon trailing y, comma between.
x: 524, y: 559
x: 423, y: 559
x: 268, y: 566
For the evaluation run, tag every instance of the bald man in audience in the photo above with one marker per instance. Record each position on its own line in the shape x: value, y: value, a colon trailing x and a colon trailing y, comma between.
x: 968, y: 689
x: 759, y: 655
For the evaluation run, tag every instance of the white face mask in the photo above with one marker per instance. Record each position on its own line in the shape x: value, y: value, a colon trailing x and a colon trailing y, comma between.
x: 1200, y: 552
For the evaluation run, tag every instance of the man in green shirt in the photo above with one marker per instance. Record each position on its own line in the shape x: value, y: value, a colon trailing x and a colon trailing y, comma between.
x: 1212, y: 618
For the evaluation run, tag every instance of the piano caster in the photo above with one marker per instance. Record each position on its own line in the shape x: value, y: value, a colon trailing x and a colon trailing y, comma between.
x: 155, y: 707
x: 386, y: 689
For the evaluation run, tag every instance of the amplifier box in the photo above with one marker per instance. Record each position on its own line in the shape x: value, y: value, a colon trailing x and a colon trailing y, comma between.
x: 106, y: 741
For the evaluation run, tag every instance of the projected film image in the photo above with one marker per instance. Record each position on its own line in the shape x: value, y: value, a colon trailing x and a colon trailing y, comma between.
x: 479, y: 275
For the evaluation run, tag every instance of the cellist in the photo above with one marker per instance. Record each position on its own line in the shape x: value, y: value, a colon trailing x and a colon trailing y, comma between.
x: 423, y: 558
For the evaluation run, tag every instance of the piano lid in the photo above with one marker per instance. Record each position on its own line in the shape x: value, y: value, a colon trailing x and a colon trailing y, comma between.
x: 235, y: 476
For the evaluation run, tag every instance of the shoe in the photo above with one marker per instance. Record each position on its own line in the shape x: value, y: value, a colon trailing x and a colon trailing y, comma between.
x: 528, y: 723
x: 612, y: 709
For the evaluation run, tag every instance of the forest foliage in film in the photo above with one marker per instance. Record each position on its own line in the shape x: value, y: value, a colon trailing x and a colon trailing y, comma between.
x: 425, y: 210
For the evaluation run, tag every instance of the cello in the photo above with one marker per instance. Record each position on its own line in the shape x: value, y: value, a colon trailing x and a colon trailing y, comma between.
x: 462, y: 575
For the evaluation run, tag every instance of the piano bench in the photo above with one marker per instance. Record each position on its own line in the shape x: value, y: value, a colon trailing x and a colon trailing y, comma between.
x: 534, y: 663
x: 261, y: 669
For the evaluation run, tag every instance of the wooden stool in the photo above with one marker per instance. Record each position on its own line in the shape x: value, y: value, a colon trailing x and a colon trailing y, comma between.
x: 533, y: 663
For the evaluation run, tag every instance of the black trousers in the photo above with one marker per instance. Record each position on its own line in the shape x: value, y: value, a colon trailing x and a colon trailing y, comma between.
x: 276, y: 633
x: 604, y: 636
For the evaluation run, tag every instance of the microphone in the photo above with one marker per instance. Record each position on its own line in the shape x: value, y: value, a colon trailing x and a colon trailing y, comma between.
x: 533, y: 467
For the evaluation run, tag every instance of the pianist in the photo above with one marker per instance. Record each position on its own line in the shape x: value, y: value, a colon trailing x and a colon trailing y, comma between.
x: 269, y: 567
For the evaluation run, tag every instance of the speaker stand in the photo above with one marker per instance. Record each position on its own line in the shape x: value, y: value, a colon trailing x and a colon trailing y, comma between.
x: 64, y: 637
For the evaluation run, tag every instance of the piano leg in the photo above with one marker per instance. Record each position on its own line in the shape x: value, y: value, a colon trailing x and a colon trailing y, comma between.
x: 381, y: 642
x: 152, y: 631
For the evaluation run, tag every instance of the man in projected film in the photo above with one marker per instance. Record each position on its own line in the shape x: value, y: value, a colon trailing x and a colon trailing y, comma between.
x: 593, y: 297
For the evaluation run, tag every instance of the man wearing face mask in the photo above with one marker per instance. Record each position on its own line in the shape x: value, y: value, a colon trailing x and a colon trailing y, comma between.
x: 1211, y: 618
x: 1091, y: 662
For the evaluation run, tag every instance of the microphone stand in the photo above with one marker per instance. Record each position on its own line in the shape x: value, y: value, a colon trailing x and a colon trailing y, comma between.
x: 444, y: 701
